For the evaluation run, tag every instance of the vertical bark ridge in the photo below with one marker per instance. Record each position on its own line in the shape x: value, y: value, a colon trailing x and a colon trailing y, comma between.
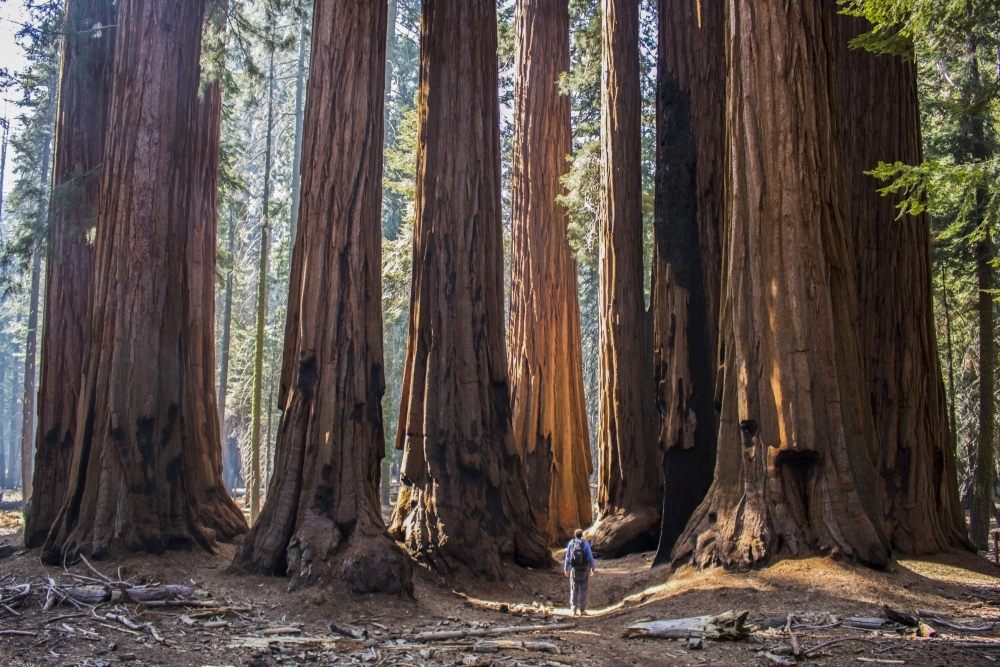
x: 81, y: 123
x: 685, y: 278
x: 916, y: 465
x: 464, y: 500
x: 545, y: 359
x: 629, y: 479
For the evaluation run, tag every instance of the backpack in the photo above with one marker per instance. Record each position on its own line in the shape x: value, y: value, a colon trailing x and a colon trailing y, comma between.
x: 578, y: 556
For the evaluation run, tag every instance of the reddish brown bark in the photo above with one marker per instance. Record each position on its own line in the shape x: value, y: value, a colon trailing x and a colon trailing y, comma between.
x: 881, y: 122
x: 464, y: 501
x: 795, y: 472
x: 545, y: 358
x: 145, y: 474
x: 685, y: 277
x: 629, y: 479
x: 80, y: 129
x: 322, y: 517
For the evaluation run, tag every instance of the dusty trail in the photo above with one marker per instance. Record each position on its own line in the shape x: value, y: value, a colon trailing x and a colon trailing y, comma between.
x: 959, y: 586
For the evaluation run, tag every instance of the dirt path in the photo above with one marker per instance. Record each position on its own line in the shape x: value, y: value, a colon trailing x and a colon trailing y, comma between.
x: 960, y: 587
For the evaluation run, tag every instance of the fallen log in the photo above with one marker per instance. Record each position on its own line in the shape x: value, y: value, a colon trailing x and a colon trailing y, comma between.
x: 444, y: 635
x: 727, y: 625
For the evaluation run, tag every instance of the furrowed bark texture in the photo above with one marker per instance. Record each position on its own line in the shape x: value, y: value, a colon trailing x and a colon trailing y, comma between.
x: 464, y: 501
x: 629, y: 479
x: 145, y: 474
x: 546, y: 360
x: 685, y: 279
x: 881, y: 122
x: 81, y: 123
x: 321, y: 519
x: 795, y: 471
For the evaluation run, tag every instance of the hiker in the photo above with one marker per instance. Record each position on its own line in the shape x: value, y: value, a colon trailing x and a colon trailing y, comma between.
x: 578, y: 565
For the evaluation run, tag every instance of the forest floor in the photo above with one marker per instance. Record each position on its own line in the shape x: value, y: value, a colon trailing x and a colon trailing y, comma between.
x: 255, y: 621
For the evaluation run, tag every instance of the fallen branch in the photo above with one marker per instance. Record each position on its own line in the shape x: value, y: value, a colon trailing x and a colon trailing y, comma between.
x: 444, y: 635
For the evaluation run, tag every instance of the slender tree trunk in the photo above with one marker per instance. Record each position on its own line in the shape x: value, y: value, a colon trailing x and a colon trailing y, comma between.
x: 546, y: 368
x: 13, y: 443
x: 984, y: 469
x: 257, y: 400
x: 81, y: 126
x: 230, y: 461
x: 629, y: 479
x: 30, y: 346
x: 952, y: 410
x: 300, y: 87
x: 321, y: 519
x: 916, y: 463
x: 3, y: 423
x: 464, y: 501
x: 795, y: 472
x: 686, y: 260
x: 31, y: 343
x: 5, y: 124
x: 145, y: 474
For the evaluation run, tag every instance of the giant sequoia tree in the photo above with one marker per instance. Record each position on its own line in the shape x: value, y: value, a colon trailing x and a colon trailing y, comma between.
x: 629, y: 480
x: 795, y: 471
x: 322, y: 518
x: 546, y: 367
x: 464, y: 500
x: 145, y: 473
x: 686, y: 259
x: 80, y: 128
x: 916, y: 465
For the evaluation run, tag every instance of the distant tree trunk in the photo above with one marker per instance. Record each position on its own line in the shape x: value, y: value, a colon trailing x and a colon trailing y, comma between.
x: 464, y: 501
x: 546, y: 368
x: 145, y: 474
x: 686, y: 260
x: 81, y: 126
x: 916, y: 463
x: 795, y: 472
x: 230, y: 463
x: 629, y: 479
x: 13, y: 443
x: 984, y: 468
x: 30, y: 356
x: 5, y: 124
x: 3, y: 423
x: 300, y: 87
x: 257, y: 400
x: 322, y: 519
x: 31, y: 339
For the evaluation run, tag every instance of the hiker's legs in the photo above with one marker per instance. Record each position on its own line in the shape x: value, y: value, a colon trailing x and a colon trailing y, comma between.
x: 578, y: 589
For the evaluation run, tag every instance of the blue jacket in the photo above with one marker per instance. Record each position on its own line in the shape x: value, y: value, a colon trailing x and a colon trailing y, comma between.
x: 567, y: 560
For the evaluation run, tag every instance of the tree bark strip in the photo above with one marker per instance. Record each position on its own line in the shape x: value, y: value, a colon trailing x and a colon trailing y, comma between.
x: 82, y: 117
x: 545, y: 358
x: 464, y: 500
x: 686, y: 260
x: 145, y: 472
x: 916, y: 463
x: 795, y: 472
x: 629, y: 478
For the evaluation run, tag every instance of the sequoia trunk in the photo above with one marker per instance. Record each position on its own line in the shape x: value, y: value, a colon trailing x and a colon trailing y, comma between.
x: 546, y: 365
x: 795, y: 472
x: 322, y: 517
x: 80, y: 129
x: 685, y: 280
x: 145, y: 474
x: 916, y: 463
x: 464, y: 500
x: 629, y: 479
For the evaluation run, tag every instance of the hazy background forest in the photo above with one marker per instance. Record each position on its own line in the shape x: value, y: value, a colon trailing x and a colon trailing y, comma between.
x: 263, y: 65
